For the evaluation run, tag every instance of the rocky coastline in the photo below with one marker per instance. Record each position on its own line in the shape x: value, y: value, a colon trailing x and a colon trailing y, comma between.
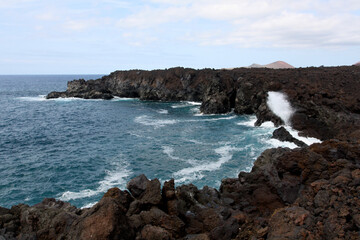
x: 310, y: 192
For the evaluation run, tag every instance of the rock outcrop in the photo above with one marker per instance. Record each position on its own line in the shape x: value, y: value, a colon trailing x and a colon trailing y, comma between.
x: 326, y: 100
x: 283, y: 135
x: 306, y: 193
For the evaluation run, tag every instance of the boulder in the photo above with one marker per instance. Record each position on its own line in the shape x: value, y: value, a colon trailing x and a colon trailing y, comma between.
x: 283, y: 135
x: 137, y: 185
x: 150, y: 232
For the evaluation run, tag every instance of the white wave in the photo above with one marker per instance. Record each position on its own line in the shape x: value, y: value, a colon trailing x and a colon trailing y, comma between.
x: 195, y: 171
x: 115, y: 178
x: 180, y: 105
x: 268, y: 124
x: 307, y: 140
x: 280, y: 106
x: 89, y: 205
x: 39, y: 98
x: 183, y: 104
x: 197, y: 142
x: 163, y: 111
x: 193, y: 103
x: 189, y: 177
x: 249, y: 123
x: 277, y: 143
x: 169, y: 152
x: 196, y: 111
x: 148, y: 121
x: 212, y: 119
x: 124, y: 99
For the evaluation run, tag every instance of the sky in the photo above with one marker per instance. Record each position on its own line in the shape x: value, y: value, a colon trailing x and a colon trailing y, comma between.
x: 101, y: 36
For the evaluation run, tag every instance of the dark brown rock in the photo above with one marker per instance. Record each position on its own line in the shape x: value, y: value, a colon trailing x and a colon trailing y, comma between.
x: 152, y: 193
x: 283, y: 135
x: 137, y: 185
x: 105, y: 220
x: 154, y: 233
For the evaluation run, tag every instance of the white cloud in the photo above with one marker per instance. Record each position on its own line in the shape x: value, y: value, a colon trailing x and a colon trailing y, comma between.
x: 78, y: 25
x: 257, y: 23
x: 14, y: 3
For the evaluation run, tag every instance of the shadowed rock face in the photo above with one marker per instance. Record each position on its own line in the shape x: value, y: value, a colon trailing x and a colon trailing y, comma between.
x: 306, y: 193
x: 326, y: 100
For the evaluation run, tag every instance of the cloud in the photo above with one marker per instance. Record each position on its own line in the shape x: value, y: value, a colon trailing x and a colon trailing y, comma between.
x: 256, y: 23
x: 15, y: 3
x: 78, y: 25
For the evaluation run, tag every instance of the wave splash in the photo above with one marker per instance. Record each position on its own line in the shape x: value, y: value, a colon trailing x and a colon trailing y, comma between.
x: 280, y: 106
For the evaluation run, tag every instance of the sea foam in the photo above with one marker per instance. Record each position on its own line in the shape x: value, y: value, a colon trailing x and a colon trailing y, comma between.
x: 156, y: 123
x: 195, y: 172
x: 117, y: 177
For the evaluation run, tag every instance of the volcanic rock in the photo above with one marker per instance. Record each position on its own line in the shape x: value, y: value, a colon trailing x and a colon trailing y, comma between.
x: 283, y: 135
x: 137, y: 185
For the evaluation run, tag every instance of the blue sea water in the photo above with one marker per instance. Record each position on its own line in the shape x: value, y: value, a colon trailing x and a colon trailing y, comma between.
x: 75, y: 150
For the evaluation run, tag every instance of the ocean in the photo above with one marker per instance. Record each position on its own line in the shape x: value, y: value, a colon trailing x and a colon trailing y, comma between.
x: 75, y: 149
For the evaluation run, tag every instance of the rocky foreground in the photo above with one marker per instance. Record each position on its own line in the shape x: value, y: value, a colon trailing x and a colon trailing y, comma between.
x: 305, y: 193
x: 311, y: 192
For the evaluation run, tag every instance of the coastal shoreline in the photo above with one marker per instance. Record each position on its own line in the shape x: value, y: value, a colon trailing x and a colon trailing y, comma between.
x: 310, y: 192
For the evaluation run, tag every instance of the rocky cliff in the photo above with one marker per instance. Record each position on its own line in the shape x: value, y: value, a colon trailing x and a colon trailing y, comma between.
x: 326, y: 100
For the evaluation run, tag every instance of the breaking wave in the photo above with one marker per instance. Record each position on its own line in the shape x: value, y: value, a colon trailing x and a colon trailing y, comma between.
x: 280, y: 106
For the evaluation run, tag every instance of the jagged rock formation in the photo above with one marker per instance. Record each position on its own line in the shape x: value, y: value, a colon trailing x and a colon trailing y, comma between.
x: 306, y: 193
x: 326, y: 100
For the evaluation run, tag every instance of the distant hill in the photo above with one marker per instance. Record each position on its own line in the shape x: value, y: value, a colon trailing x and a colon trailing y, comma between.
x: 357, y: 64
x: 274, y: 65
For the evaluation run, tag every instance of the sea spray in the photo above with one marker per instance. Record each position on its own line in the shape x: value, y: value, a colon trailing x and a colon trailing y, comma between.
x: 280, y: 106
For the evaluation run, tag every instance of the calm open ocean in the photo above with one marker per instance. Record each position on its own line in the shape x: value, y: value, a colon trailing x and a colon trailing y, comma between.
x: 75, y: 150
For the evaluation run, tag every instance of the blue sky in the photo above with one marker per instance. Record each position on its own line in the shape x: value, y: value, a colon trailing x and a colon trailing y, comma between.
x: 100, y: 36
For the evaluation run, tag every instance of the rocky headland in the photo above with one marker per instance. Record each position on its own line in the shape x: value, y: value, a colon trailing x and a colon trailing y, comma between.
x: 310, y: 192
